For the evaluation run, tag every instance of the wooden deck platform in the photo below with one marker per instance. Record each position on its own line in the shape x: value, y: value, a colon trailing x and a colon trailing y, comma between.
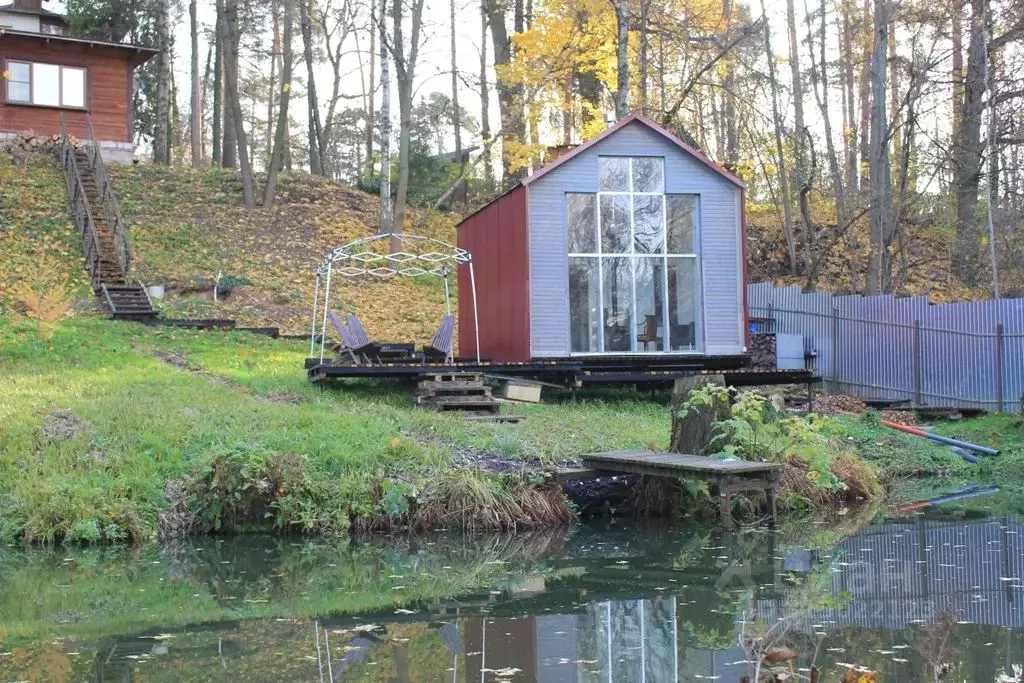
x: 731, y: 476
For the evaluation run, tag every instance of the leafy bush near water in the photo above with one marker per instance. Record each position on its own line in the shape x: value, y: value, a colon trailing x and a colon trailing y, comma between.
x: 819, y: 466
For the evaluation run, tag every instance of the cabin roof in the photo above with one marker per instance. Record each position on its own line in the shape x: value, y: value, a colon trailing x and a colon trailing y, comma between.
x: 141, y: 52
x: 622, y: 123
x: 42, y: 12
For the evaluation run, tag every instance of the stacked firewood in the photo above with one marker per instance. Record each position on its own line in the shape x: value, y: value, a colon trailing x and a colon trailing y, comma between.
x: 762, y: 351
x: 32, y: 143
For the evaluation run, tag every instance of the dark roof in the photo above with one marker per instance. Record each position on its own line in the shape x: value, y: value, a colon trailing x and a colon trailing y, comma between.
x: 144, y: 52
x: 622, y: 123
x: 43, y: 12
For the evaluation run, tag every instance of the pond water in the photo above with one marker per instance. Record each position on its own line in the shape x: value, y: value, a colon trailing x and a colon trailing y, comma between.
x: 908, y: 599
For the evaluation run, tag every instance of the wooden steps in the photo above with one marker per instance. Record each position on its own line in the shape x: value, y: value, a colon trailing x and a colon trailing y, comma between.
x: 128, y: 301
x: 464, y: 392
x: 110, y: 257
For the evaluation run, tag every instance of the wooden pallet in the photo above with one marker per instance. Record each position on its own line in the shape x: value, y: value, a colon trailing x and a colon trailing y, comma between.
x: 465, y: 392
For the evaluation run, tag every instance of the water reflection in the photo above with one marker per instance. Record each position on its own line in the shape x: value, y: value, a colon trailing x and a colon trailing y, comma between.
x: 906, y: 599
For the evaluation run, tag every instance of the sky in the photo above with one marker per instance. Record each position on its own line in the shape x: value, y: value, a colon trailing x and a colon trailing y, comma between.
x: 433, y: 69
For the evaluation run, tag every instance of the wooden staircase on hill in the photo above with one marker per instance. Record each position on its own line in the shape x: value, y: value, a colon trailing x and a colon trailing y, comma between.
x: 108, y: 253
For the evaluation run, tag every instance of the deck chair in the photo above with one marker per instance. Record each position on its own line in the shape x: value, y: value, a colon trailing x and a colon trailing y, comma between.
x: 440, y: 348
x: 355, y: 345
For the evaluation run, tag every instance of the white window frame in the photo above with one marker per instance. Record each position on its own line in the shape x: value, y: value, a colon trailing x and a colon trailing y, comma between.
x: 60, y: 85
x: 633, y: 255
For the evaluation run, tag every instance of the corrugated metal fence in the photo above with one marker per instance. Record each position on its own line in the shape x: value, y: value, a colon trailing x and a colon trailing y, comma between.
x: 966, y: 355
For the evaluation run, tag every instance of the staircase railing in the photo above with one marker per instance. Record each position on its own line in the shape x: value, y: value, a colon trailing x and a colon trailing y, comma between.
x: 80, y: 207
x: 108, y: 197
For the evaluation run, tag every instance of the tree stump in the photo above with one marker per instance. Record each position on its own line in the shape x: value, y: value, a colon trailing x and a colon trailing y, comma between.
x: 691, y: 433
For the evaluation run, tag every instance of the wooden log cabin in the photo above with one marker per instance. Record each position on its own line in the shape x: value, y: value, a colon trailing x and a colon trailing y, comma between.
x: 48, y: 73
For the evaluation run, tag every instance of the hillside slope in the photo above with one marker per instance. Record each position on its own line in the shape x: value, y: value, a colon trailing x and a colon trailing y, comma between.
x: 188, y: 227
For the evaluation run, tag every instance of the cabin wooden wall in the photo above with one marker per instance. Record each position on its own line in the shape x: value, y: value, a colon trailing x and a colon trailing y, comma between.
x: 108, y: 89
x: 496, y: 237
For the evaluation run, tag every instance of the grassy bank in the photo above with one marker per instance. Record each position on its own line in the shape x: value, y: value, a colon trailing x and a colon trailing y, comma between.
x: 120, y: 432
x: 113, y: 431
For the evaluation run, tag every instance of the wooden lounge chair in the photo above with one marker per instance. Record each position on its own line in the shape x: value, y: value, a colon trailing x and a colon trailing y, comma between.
x: 440, y: 348
x: 355, y: 344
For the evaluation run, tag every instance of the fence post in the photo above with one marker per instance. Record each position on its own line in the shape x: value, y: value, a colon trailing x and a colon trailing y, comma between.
x: 999, y: 368
x: 917, y: 362
x: 835, y: 349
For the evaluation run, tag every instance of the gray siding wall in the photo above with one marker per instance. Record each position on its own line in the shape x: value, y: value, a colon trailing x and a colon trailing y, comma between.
x: 720, y: 251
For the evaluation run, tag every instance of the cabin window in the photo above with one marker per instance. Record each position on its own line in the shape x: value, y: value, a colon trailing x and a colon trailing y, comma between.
x: 633, y: 273
x: 46, y: 85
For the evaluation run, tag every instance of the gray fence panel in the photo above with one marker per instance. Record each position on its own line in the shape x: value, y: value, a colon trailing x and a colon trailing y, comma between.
x: 884, y: 347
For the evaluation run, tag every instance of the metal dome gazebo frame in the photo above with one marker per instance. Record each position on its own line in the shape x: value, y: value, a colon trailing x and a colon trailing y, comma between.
x: 355, y: 259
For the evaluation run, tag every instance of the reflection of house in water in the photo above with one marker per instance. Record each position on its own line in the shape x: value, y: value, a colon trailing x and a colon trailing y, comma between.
x: 884, y: 578
x: 631, y: 641
x: 898, y: 573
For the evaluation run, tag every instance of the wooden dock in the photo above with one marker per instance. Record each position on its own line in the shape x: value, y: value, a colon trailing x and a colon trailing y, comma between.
x: 731, y: 476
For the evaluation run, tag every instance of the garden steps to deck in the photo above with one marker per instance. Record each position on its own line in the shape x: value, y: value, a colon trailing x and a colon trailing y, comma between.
x: 456, y: 391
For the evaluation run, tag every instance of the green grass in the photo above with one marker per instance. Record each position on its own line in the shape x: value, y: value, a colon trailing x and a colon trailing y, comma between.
x: 240, y: 415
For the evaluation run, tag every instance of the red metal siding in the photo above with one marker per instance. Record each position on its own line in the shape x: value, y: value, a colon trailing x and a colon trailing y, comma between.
x: 496, y: 236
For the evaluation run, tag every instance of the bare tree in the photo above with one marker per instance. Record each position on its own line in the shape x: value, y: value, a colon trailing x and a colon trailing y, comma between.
x: 405, y: 58
x: 787, y: 210
x: 281, y: 136
x: 197, y: 95
x: 883, y: 226
x: 456, y: 112
x: 315, y: 129
x: 485, y: 103
x: 384, y: 121
x: 218, y: 87
x: 800, y: 176
x: 162, y: 134
x: 622, y: 58
x: 229, y: 35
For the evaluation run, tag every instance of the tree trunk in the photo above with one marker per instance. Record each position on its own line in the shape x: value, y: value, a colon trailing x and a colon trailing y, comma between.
x: 865, y: 93
x: 281, y: 136
x: 456, y: 114
x: 882, y: 228
x: 645, y: 30
x: 787, y: 208
x: 384, y: 121
x: 732, y: 136
x: 315, y: 132
x: 849, y: 100
x: 204, y: 97
x: 823, y: 106
x: 161, y: 136
x: 510, y: 102
x: 197, y: 94
x: 218, y: 84
x: 231, y: 143
x: 485, y: 103
x: 799, y: 176
x: 234, y: 104
x: 622, y: 59
x: 968, y: 150
x: 956, y: 9
x: 405, y: 75
x: 275, y: 50
x: 692, y: 432
x: 370, y: 122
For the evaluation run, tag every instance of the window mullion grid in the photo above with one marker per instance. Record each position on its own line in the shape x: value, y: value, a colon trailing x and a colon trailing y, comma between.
x: 632, y: 257
x: 600, y: 281
x: 666, y: 334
